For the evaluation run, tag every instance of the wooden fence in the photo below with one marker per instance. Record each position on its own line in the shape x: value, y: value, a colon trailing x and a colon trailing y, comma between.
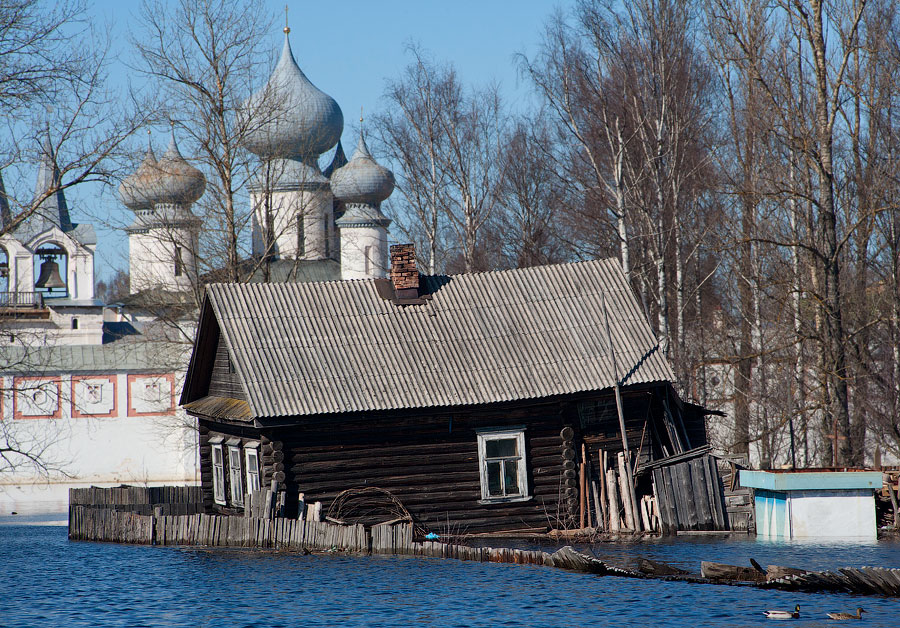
x: 142, y: 500
x: 690, y: 496
x: 199, y: 530
x: 97, y: 524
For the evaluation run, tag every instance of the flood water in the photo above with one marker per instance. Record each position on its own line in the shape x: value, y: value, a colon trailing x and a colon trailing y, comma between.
x: 46, y: 580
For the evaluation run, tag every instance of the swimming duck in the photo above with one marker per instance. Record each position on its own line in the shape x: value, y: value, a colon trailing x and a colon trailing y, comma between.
x: 859, y: 612
x: 794, y: 614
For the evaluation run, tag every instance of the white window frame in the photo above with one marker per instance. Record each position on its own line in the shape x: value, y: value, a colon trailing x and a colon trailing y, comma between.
x: 218, y: 473
x: 251, y: 452
x: 486, y: 435
x: 235, y: 475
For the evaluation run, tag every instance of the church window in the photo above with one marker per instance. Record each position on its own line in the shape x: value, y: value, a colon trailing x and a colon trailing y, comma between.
x: 179, y: 262
x: 301, y: 237
x: 327, y: 237
x: 4, y: 272
x: 368, y: 256
x: 74, y: 323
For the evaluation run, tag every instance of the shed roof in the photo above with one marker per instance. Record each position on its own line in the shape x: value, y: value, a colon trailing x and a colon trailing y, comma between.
x: 331, y: 347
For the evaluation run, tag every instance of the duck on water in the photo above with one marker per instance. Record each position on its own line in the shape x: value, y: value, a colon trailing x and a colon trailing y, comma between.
x: 859, y: 612
x: 794, y: 614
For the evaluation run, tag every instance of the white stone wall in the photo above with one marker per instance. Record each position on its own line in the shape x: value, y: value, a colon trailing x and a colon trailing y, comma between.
x: 364, y: 252
x: 99, y: 429
x: 151, y: 259
x: 316, y: 209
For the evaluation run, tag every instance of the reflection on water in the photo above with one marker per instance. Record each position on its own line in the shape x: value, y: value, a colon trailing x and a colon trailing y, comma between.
x: 47, y: 581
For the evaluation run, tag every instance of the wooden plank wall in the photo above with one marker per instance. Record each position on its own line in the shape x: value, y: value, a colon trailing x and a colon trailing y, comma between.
x: 690, y: 496
x: 738, y: 499
x: 174, y: 500
x: 224, y: 382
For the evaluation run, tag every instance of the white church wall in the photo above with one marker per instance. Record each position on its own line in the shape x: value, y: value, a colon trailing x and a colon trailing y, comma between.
x: 363, y: 253
x: 315, y: 208
x: 151, y: 260
x: 100, y: 429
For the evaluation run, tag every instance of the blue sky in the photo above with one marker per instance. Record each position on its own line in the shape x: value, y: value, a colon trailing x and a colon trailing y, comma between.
x: 349, y: 48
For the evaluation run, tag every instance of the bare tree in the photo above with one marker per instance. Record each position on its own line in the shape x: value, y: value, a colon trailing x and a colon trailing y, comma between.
x: 411, y: 132
x: 37, y: 55
x: 203, y: 58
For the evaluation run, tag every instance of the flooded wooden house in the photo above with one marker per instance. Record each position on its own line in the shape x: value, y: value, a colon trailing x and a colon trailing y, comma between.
x: 467, y: 403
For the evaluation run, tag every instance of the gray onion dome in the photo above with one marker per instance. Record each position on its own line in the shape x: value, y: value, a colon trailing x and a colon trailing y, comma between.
x: 178, y: 182
x: 362, y: 180
x: 137, y: 189
x: 294, y: 119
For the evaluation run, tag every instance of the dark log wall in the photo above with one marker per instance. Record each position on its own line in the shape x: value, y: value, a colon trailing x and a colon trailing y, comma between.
x: 206, y: 431
x: 428, y: 458
x: 599, y: 421
x: 430, y: 463
x: 224, y: 382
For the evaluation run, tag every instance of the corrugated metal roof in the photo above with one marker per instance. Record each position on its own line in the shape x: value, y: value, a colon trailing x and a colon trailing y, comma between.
x: 109, y: 358
x: 331, y: 347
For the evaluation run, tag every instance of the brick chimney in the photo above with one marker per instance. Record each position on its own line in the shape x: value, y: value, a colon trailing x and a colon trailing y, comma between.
x: 404, y: 274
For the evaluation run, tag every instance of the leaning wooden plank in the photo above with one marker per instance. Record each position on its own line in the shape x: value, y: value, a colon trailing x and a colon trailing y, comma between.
x: 721, y: 571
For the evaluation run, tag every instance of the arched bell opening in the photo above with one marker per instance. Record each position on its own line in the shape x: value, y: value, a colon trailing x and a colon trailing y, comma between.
x: 50, y: 270
x: 4, y: 276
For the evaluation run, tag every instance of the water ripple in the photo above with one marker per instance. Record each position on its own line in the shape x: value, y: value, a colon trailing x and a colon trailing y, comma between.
x: 45, y: 580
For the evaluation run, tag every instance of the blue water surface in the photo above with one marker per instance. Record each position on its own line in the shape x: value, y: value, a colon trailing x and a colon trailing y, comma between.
x: 46, y: 580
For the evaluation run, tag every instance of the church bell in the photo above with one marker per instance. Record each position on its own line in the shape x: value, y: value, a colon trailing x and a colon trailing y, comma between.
x: 49, y: 277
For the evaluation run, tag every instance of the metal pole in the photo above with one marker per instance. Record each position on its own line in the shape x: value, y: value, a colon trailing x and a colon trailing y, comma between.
x: 615, y: 366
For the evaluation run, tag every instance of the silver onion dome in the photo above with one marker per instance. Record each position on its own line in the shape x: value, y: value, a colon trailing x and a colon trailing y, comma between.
x: 178, y: 182
x: 290, y: 117
x: 137, y: 189
x: 362, y: 180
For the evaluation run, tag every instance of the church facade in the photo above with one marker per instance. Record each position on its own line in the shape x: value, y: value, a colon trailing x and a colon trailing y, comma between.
x: 92, y: 386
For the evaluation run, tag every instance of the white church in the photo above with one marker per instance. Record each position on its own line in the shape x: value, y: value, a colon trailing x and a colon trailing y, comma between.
x: 91, y: 387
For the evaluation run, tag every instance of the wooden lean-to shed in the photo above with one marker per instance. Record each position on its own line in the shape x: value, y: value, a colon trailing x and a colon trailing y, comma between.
x: 469, y: 403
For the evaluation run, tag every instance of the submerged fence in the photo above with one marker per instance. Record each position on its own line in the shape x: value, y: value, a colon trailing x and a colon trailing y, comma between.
x: 98, y: 524
x: 106, y: 520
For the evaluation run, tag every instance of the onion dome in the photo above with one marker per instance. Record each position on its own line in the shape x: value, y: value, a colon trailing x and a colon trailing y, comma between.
x: 177, y: 182
x: 362, y: 180
x: 338, y: 160
x: 137, y: 189
x: 293, y: 118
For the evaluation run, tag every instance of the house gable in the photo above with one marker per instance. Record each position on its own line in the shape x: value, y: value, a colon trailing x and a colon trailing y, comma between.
x: 213, y: 387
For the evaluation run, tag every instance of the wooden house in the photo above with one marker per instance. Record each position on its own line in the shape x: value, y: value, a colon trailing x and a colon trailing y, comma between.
x: 460, y: 401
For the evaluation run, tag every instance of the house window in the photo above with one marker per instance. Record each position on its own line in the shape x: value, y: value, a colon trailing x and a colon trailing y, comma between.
x: 218, y: 468
x: 234, y: 475
x: 252, y: 459
x: 501, y: 459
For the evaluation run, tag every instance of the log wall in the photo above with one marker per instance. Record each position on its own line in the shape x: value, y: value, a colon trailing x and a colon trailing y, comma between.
x: 430, y: 464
